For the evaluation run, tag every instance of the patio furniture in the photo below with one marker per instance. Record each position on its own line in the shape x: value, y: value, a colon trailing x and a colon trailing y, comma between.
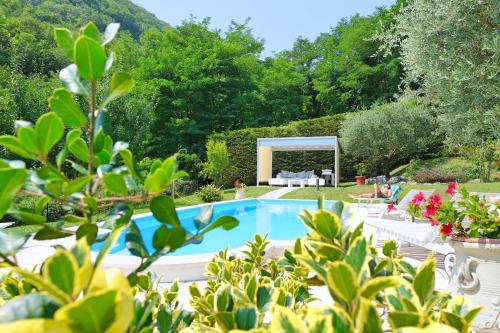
x: 303, y: 178
x: 394, y: 197
x: 327, y: 175
x: 418, y: 232
x: 298, y: 181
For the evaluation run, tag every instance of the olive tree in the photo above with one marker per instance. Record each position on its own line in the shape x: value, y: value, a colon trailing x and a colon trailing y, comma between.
x: 450, y: 49
x: 388, y: 134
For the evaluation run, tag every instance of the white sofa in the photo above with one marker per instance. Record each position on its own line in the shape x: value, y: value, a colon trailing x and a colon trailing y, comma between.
x: 306, y: 178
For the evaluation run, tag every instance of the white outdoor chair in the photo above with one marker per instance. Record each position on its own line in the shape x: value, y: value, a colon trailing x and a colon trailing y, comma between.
x: 418, y: 232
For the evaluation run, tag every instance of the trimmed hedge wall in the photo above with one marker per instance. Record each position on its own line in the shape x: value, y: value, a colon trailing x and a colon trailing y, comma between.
x: 242, y: 147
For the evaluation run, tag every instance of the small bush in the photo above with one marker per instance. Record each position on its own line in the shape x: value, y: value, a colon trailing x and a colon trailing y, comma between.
x: 210, y: 193
x: 437, y: 175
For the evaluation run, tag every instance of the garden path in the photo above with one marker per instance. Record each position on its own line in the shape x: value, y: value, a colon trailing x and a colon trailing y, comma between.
x: 278, y: 193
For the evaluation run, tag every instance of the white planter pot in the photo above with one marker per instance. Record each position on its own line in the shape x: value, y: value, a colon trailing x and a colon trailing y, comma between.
x: 240, y: 194
x: 476, y: 274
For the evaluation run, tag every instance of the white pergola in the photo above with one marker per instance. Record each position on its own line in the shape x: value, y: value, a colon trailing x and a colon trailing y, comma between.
x: 266, y: 146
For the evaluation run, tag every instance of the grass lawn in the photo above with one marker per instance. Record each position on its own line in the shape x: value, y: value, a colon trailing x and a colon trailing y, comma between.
x: 190, y: 200
x: 341, y: 193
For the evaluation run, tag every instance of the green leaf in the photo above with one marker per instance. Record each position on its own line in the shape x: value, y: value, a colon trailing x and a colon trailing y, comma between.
x: 72, y: 81
x: 286, y: 321
x: 121, y: 83
x: 27, y: 139
x: 326, y: 224
x: 61, y: 102
x: 367, y: 319
x: 78, y: 147
x: 28, y: 217
x: 11, y: 241
x: 99, y: 140
x: 109, y: 242
x: 132, y: 167
x: 338, y: 208
x: 12, y: 144
x: 11, y: 181
x: 48, y: 232
x: 155, y: 182
x: 371, y: 288
x: 341, y: 321
x: 43, y: 284
x: 93, y: 313
x: 49, y: 130
x: 61, y: 270
x: 91, y: 31
x: 399, y: 319
x: 425, y: 280
x: 264, y: 295
x: 89, y: 231
x: 357, y: 254
x: 134, y: 241
x: 163, y: 209
x: 42, y: 203
x: 204, y: 216
x: 119, y: 215
x: 173, y: 238
x: 115, y: 183
x: 110, y: 32
x: 389, y: 248
x: 246, y: 318
x: 65, y: 41
x: 331, y: 252
x: 76, y: 185
x: 90, y: 58
x: 164, y: 319
x: 342, y: 280
x: 226, y: 222
x: 35, y: 305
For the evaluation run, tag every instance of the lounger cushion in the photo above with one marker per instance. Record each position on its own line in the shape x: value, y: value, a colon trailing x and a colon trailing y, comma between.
x: 285, y: 174
x: 301, y: 175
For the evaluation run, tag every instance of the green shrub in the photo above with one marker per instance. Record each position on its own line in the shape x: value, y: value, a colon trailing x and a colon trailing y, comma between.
x: 441, y: 169
x: 242, y: 148
x: 389, y: 134
x: 217, y: 165
x: 210, y: 193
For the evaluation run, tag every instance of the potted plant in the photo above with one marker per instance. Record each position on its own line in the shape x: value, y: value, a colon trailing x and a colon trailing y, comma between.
x: 361, y: 171
x: 471, y: 225
x: 240, y: 190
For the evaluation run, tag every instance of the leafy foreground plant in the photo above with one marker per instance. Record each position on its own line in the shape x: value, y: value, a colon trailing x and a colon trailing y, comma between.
x: 70, y: 292
x: 370, y: 292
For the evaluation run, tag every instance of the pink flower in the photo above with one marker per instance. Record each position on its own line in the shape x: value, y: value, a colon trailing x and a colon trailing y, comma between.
x: 433, y: 222
x: 391, y: 207
x: 446, y: 229
x: 430, y: 211
x: 452, y: 188
x: 435, y: 200
x: 418, y: 199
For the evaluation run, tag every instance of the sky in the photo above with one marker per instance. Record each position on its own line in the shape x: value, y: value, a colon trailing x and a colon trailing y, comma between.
x: 278, y: 22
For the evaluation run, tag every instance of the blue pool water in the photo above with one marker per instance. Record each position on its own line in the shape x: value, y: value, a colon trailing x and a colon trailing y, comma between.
x: 276, y: 218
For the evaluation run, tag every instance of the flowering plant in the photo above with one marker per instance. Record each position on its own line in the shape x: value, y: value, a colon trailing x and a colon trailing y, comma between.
x: 470, y: 216
x: 239, y: 185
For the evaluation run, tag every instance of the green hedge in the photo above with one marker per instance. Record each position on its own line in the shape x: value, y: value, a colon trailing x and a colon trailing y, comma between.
x: 242, y: 147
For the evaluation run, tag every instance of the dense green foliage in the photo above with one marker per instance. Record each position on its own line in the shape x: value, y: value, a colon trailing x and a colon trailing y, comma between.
x: 450, y: 48
x: 388, y: 135
x: 194, y: 81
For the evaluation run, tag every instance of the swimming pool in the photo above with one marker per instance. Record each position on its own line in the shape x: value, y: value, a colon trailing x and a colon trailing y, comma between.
x: 276, y: 218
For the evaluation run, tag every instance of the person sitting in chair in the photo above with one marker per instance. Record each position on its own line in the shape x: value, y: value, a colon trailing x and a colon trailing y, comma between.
x: 385, y: 192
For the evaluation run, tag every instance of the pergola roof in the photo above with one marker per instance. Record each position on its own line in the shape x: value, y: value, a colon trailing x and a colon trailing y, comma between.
x: 299, y: 143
